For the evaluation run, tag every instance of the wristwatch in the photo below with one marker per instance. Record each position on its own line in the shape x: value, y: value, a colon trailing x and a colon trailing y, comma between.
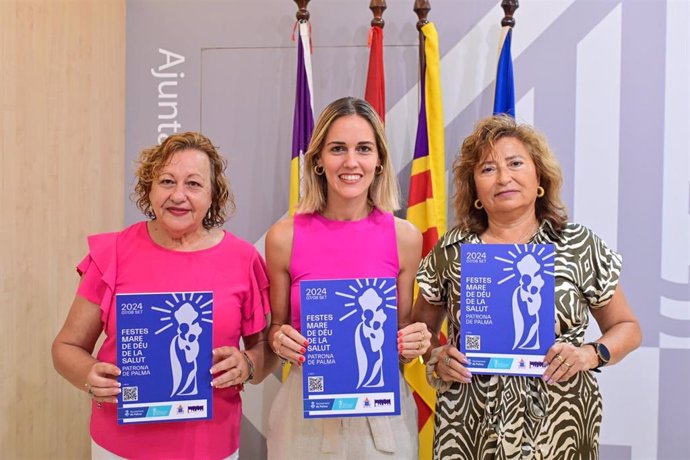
x: 603, y: 354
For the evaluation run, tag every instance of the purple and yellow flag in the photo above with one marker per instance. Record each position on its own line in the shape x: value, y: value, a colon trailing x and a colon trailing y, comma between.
x: 303, y: 123
x: 504, y: 97
x: 427, y: 207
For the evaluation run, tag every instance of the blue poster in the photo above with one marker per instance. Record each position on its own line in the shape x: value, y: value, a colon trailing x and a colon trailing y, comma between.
x: 351, y: 366
x: 164, y: 350
x: 507, y: 314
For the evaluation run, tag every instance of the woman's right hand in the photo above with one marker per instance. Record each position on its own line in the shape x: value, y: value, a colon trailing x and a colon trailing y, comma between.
x: 101, y: 382
x: 451, y: 365
x: 290, y: 344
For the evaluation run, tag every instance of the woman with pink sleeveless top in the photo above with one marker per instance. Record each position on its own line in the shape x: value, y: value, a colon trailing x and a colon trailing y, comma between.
x: 344, y: 228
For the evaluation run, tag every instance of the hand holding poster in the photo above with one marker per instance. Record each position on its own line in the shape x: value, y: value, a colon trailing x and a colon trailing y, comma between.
x: 165, y: 345
x: 507, y: 314
x: 351, y: 366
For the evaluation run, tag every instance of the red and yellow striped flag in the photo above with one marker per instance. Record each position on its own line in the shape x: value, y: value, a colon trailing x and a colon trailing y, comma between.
x: 427, y: 206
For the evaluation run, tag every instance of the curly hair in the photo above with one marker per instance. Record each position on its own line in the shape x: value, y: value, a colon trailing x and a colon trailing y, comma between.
x: 153, y: 160
x: 384, y: 192
x: 479, y: 143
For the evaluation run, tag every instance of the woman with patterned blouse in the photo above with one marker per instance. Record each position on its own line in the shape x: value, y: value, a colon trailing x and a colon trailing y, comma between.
x: 507, y: 185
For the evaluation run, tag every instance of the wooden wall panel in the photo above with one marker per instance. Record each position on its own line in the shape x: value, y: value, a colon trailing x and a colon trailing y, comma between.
x: 61, y: 151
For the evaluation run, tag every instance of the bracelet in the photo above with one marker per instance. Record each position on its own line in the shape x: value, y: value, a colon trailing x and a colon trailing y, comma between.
x: 250, y: 365
x: 276, y: 324
x: 434, y: 380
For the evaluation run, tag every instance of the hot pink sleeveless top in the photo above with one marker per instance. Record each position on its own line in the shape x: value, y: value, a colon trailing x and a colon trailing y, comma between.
x: 331, y: 249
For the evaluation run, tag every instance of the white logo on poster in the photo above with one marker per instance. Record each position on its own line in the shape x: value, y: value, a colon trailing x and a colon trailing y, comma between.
x: 528, y: 267
x: 370, y: 301
x: 187, y: 313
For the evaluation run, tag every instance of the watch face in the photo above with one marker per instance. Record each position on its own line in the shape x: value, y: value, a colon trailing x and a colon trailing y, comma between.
x: 603, y: 352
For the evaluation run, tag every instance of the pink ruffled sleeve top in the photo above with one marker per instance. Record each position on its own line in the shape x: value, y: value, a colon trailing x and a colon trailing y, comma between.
x: 130, y: 262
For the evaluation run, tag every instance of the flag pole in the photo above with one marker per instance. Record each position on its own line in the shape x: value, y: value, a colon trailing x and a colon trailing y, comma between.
x: 303, y: 118
x: 377, y: 7
x: 421, y: 8
x: 509, y: 7
x: 302, y: 12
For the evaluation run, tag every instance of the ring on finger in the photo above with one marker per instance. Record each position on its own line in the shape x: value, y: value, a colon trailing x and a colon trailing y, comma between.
x: 566, y: 364
x: 419, y: 346
x: 446, y: 361
x: 560, y: 357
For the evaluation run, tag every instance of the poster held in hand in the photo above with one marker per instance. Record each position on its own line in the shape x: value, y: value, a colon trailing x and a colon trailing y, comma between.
x: 164, y: 351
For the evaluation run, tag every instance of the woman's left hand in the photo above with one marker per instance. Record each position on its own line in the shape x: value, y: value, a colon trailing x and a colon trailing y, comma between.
x: 564, y: 360
x: 413, y: 340
x: 229, y: 367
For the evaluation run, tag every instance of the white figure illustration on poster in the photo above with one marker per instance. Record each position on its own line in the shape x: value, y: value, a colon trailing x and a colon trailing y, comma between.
x: 370, y: 301
x: 187, y: 315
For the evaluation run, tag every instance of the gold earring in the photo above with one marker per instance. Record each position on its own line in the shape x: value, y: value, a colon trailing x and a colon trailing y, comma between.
x: 318, y: 170
x: 540, y: 191
x: 478, y: 204
x: 379, y: 169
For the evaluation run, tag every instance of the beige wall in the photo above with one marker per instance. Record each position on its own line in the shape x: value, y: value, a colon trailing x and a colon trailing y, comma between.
x: 61, y: 152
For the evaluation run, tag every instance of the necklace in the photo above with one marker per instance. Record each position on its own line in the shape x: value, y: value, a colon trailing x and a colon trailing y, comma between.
x: 526, y: 237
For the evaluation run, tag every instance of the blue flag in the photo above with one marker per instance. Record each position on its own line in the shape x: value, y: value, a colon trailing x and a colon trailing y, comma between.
x: 504, y: 99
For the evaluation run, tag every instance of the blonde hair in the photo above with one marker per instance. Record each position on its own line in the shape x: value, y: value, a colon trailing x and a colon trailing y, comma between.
x: 384, y: 192
x: 154, y: 159
x: 480, y: 142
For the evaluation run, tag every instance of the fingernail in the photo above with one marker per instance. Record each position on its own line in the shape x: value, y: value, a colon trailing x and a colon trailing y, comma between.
x: 399, y: 333
x: 302, y: 350
x: 212, y: 383
x: 119, y: 391
x: 301, y: 359
x: 400, y: 348
x: 306, y: 343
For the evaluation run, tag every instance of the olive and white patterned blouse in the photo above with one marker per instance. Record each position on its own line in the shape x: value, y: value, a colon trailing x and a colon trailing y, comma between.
x: 511, y: 417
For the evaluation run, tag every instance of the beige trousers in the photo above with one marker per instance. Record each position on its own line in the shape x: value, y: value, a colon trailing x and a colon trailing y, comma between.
x: 291, y: 436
